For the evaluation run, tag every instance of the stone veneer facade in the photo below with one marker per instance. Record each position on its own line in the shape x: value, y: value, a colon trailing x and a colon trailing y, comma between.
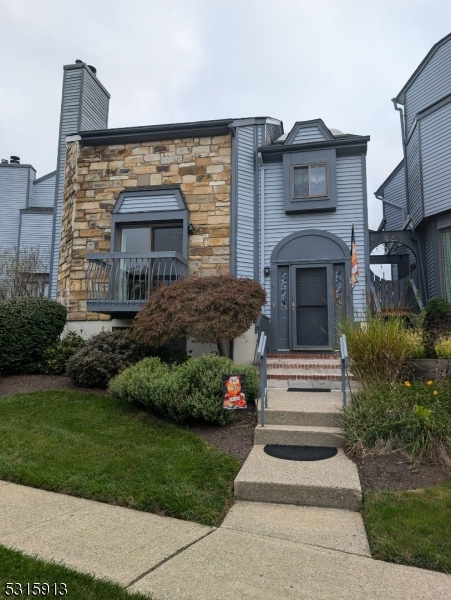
x: 95, y: 176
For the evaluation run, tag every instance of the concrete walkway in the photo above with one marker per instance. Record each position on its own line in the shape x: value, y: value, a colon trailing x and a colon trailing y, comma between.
x: 261, y: 552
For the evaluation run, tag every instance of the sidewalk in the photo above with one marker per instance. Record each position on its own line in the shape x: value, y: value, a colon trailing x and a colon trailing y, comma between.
x: 179, y: 560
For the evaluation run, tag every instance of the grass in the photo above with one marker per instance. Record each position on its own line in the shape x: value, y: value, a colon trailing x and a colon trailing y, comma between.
x: 15, y: 567
x: 411, y: 528
x: 91, y: 446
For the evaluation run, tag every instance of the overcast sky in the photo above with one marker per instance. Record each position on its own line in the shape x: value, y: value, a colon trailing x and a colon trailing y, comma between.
x: 190, y: 60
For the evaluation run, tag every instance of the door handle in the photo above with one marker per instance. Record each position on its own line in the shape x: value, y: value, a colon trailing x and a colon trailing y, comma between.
x: 293, y: 306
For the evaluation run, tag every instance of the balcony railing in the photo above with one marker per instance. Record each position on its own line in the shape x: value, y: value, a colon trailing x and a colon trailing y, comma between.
x: 124, y: 281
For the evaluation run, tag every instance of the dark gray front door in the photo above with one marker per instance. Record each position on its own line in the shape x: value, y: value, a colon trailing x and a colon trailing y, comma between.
x: 310, y: 325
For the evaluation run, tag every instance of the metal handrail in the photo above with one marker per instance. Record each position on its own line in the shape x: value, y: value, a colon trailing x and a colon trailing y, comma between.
x: 344, y: 371
x: 261, y: 359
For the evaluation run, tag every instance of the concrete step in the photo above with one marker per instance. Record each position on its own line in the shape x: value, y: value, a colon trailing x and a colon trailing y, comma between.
x: 330, y: 528
x: 331, y: 483
x: 314, y: 409
x: 298, y: 435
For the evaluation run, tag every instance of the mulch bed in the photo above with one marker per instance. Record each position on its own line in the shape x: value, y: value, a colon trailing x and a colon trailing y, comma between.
x: 395, y: 471
x: 235, y: 439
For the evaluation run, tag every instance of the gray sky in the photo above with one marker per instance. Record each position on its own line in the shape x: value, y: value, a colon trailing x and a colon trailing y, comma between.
x: 187, y: 60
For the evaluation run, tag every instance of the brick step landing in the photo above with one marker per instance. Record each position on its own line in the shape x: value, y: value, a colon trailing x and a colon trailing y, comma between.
x: 307, y: 363
x: 307, y: 374
x: 303, y: 355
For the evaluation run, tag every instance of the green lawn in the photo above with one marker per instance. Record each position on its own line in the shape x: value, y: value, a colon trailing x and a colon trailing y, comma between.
x: 16, y: 568
x: 411, y: 528
x: 92, y: 446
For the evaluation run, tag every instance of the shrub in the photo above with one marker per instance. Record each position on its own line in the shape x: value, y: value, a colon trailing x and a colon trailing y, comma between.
x: 413, y: 417
x: 443, y: 348
x: 190, y: 391
x: 415, y: 345
x: 437, y: 324
x: 28, y: 326
x: 377, y: 349
x: 103, y: 356
x: 56, y: 357
x: 208, y: 309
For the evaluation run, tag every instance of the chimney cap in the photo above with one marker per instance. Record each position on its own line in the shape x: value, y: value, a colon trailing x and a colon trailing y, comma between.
x: 93, y: 69
x: 79, y: 62
x: 15, y: 160
x: 4, y: 161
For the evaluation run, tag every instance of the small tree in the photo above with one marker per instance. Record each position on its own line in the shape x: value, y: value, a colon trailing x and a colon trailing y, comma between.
x: 208, y: 309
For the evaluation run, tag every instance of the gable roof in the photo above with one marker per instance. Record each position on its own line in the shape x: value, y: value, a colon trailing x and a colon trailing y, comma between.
x: 400, y: 98
x: 318, y: 123
x: 380, y: 189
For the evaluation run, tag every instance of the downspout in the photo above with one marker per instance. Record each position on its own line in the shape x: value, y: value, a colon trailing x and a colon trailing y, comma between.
x: 262, y: 219
x: 403, y: 137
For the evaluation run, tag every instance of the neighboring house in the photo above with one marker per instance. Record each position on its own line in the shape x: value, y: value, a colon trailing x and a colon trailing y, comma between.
x: 146, y: 206
x: 30, y: 208
x: 417, y: 194
x: 26, y: 212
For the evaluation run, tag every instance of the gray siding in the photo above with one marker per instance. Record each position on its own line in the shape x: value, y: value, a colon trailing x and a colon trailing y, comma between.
x: 395, y: 192
x: 36, y: 232
x: 44, y: 192
x: 432, y: 83
x: 430, y: 259
x: 350, y: 208
x: 272, y: 133
x: 413, y: 169
x: 245, y: 201
x: 436, y: 160
x: 14, y: 183
x: 95, y: 104
x: 83, y: 107
x: 308, y: 134
x: 135, y: 204
x: 69, y: 123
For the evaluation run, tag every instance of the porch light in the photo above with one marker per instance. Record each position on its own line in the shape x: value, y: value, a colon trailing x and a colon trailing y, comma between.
x: 191, y: 230
x: 267, y: 271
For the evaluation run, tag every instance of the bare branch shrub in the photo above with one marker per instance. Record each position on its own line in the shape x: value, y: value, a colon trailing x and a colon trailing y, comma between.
x: 23, y: 272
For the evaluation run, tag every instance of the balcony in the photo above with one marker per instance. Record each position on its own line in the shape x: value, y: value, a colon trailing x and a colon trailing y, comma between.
x: 120, y: 283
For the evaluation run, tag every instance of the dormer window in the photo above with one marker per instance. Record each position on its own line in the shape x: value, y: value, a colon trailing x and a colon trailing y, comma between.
x: 309, y: 181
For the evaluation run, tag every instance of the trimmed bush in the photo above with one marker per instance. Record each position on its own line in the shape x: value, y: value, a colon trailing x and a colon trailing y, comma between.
x: 190, y: 391
x: 28, y: 326
x: 103, y: 356
x: 377, y: 349
x: 56, y: 357
x: 443, y: 348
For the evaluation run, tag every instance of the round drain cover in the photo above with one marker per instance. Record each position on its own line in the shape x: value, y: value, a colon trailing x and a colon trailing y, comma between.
x: 302, y: 453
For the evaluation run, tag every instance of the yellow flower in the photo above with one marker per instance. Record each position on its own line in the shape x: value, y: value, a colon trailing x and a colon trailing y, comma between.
x: 435, y: 393
x: 407, y: 383
x: 430, y: 382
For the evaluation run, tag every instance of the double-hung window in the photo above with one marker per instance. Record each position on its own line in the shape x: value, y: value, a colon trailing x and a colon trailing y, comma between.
x: 309, y: 181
